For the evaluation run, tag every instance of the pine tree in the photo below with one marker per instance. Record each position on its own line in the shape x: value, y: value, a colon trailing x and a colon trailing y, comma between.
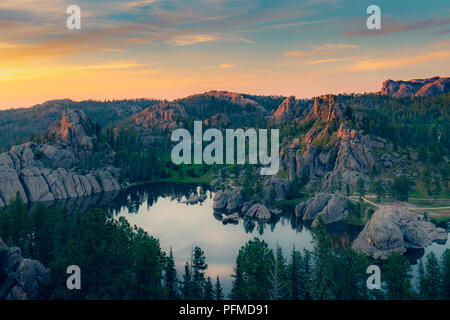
x: 445, y: 269
x: 322, y: 278
x: 187, y: 283
x: 421, y: 279
x: 432, y: 278
x: 209, y: 290
x: 293, y: 275
x: 278, y: 276
x: 171, y: 277
x: 218, y: 291
x: 360, y: 187
x: 238, y: 288
x: 397, y: 277
x: 199, y: 267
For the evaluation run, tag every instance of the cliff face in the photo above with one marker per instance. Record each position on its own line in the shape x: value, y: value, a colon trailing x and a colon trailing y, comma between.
x: 416, y: 87
x: 287, y: 111
x: 47, y: 171
x: 338, y: 155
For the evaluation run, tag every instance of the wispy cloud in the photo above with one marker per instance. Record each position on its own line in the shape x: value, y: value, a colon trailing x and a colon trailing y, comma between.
x: 227, y: 66
x: 391, y: 62
x: 390, y: 26
x: 186, y: 40
x: 328, y: 49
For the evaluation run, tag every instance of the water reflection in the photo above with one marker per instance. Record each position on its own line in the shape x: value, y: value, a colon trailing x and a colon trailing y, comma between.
x: 181, y: 217
x: 165, y: 211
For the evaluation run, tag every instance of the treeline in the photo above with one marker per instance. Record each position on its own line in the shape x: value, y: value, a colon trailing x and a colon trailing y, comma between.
x: 118, y: 261
x: 330, y: 273
x: 18, y: 125
x: 420, y: 123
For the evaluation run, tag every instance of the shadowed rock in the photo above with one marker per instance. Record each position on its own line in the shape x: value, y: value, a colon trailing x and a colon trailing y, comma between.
x: 396, y: 229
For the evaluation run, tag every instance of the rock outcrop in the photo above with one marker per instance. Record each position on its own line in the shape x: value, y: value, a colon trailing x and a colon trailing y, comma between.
x: 343, y: 155
x: 228, y: 200
x: 330, y: 207
x: 20, y: 278
x: 416, y: 87
x: 234, y: 98
x: 259, y: 211
x: 161, y: 117
x: 396, y: 229
x: 279, y: 186
x: 288, y: 110
x: 47, y: 171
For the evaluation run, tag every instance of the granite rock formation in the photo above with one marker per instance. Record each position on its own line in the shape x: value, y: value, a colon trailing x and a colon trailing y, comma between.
x: 21, y: 279
x: 396, y: 229
x: 416, y: 87
x: 47, y: 171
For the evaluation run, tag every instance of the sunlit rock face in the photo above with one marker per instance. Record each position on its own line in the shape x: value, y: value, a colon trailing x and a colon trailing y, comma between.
x: 416, y: 87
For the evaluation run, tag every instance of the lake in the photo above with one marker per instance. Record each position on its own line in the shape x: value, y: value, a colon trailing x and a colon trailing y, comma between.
x: 162, y: 211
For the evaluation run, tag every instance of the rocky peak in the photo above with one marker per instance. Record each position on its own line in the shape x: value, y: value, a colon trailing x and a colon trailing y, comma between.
x: 233, y: 97
x: 416, y: 87
x: 76, y: 130
x: 326, y: 109
x: 164, y: 116
x: 287, y: 111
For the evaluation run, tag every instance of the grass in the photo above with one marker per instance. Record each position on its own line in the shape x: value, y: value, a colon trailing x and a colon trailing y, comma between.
x: 430, y: 203
x: 289, y: 204
x: 199, y: 178
x: 440, y: 221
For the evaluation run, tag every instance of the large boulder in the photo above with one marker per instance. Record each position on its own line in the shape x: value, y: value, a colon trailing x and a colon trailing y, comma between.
x: 330, y: 207
x: 396, y: 229
x: 24, y: 279
x: 259, y: 211
x: 229, y: 200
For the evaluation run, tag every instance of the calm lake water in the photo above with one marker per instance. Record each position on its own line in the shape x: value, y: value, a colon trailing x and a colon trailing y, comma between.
x: 161, y: 210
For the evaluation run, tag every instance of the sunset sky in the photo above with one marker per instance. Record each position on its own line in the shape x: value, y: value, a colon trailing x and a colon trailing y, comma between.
x: 174, y: 48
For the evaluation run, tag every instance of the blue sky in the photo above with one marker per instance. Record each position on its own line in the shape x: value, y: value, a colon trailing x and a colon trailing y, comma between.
x: 171, y: 48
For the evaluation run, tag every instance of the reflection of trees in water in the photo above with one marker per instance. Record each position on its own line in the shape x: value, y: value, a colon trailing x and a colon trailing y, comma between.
x: 284, y: 217
x: 133, y: 198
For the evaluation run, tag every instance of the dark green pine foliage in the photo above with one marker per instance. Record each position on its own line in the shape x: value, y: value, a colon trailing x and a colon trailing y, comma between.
x: 218, y: 291
x: 187, y: 284
x: 170, y: 277
x: 445, y: 269
x: 430, y: 278
x: 252, y: 274
x: 278, y: 276
x: 209, y: 289
x: 396, y: 273
x: 199, y: 266
x: 117, y: 261
x: 322, y: 284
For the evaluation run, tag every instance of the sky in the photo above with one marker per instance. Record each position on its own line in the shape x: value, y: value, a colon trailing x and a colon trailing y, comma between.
x: 169, y: 49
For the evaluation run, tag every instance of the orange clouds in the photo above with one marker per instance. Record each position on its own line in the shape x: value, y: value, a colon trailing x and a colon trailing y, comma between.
x: 385, y: 63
